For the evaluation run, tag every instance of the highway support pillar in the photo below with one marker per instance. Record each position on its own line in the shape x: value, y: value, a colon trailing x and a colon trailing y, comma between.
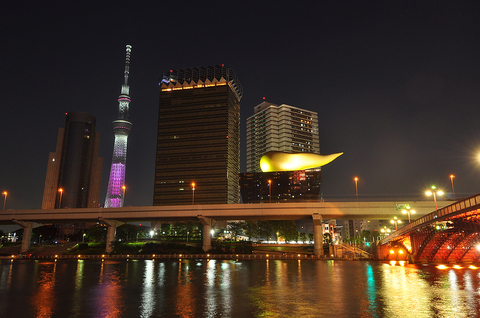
x: 111, y: 229
x: 317, y: 235
x: 207, y: 226
x: 27, y: 235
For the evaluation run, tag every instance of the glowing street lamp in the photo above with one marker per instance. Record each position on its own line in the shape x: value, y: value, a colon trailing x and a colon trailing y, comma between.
x: 61, y: 194
x: 356, y: 186
x: 385, y: 231
x: 395, y: 221
x: 408, y: 211
x: 4, y: 200
x: 193, y: 193
x: 123, y: 198
x: 453, y: 189
x: 270, y: 191
x: 434, y: 192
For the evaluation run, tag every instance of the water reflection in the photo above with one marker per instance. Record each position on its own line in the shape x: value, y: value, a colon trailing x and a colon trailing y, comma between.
x: 184, y: 302
x: 210, y: 288
x: 43, y: 300
x: 228, y: 288
x: 371, y: 291
x: 148, y: 293
x: 108, y: 296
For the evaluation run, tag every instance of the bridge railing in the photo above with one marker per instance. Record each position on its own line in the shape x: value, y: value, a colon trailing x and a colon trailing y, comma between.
x: 457, y: 207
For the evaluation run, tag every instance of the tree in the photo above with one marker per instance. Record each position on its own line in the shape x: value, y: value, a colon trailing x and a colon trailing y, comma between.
x: 166, y: 228
x: 236, y: 229
x: 365, y: 236
x: 288, y: 230
x: 251, y: 229
x: 98, y: 233
x: 186, y: 229
x: 267, y: 229
x: 127, y: 232
x: 303, y: 237
x: 327, y: 238
x: 310, y: 237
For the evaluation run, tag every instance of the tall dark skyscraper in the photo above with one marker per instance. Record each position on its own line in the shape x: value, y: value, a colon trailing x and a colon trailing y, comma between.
x: 74, y: 171
x: 121, y: 129
x: 198, y: 144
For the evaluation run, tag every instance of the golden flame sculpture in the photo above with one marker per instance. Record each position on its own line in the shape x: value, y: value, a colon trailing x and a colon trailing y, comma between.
x: 283, y: 161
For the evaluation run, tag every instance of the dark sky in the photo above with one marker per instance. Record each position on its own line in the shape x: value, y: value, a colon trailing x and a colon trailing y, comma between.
x: 396, y: 84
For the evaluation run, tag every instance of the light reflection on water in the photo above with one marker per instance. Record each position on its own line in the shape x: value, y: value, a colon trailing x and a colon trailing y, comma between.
x: 227, y: 288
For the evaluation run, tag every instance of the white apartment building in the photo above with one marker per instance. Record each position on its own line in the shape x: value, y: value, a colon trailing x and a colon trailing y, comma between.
x: 280, y: 128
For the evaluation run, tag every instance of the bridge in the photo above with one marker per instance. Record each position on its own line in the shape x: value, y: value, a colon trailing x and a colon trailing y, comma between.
x: 113, y: 217
x: 448, y: 235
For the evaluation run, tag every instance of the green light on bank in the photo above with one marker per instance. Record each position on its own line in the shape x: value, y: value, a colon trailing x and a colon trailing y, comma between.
x: 282, y: 161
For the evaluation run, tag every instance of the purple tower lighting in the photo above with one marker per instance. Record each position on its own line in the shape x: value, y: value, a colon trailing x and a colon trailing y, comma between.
x: 121, y: 129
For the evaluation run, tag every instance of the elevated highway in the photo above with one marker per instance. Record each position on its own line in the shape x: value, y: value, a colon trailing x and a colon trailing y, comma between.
x: 113, y: 217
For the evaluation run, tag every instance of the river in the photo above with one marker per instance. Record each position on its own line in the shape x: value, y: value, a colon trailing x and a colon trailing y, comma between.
x: 229, y: 288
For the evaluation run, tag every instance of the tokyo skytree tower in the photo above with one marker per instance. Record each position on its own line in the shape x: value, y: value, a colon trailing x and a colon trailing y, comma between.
x: 121, y: 129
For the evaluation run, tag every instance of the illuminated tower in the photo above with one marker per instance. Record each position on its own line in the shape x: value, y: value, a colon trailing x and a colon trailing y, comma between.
x: 121, y: 129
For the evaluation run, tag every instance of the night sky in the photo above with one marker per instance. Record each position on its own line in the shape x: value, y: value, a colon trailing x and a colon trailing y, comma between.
x: 396, y: 85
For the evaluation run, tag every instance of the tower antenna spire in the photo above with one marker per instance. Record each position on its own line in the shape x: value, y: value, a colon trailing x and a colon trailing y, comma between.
x: 121, y: 130
x: 127, y: 63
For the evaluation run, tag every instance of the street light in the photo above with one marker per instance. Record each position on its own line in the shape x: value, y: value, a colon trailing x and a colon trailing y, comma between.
x: 434, y: 192
x: 123, y: 198
x: 453, y: 189
x: 356, y: 186
x: 395, y: 221
x: 60, y: 202
x: 270, y: 191
x: 4, y: 200
x: 385, y: 231
x: 193, y: 193
x: 408, y: 211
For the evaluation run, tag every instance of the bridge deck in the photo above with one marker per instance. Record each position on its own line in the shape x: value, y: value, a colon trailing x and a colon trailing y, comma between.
x: 270, y: 211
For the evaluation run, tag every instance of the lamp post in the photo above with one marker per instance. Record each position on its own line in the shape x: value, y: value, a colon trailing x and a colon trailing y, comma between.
x: 60, y: 201
x: 193, y: 193
x: 123, y: 198
x: 453, y: 189
x: 434, y: 192
x: 408, y: 211
x: 5, y: 199
x: 356, y: 187
x: 270, y: 191
x: 385, y: 231
x: 395, y: 221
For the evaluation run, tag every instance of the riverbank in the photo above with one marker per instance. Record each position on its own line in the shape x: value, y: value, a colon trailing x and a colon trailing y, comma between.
x: 158, y: 247
x: 259, y: 256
